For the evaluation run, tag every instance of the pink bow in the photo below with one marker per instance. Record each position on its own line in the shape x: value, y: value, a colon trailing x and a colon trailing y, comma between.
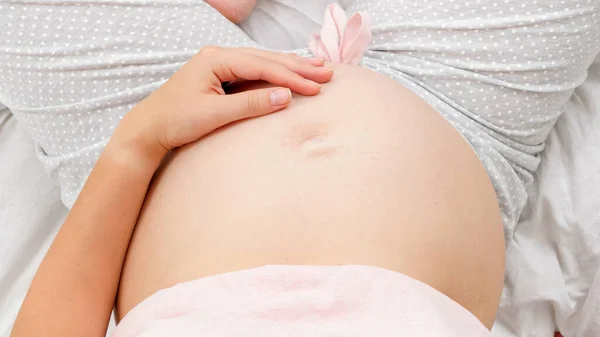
x: 342, y: 40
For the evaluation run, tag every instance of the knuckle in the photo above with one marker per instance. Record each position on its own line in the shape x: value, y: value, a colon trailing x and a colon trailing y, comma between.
x: 208, y: 51
x: 253, y: 51
x: 253, y: 102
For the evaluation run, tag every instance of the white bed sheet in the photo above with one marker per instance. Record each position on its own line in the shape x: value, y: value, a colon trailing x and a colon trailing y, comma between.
x: 553, y: 265
x: 552, y: 276
x: 30, y: 214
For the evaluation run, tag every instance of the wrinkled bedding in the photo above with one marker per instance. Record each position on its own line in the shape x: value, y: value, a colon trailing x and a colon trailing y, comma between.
x: 553, y: 278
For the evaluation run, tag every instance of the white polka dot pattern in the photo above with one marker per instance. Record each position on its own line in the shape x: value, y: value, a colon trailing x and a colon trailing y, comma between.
x: 71, y: 70
x: 499, y: 70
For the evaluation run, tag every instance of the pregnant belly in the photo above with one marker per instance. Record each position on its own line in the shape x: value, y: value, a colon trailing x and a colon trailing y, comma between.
x: 364, y: 173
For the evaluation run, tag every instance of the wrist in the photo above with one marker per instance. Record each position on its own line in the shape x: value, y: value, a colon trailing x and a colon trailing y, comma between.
x: 134, y: 138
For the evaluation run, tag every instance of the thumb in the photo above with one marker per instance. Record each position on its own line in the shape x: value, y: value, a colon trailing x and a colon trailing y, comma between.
x: 254, y: 103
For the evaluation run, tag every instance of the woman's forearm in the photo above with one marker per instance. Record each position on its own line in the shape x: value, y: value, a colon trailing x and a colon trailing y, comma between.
x: 74, y: 290
x: 80, y: 273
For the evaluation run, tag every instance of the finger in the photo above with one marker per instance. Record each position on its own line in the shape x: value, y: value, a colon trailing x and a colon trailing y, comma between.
x: 233, y: 65
x: 310, y: 68
x: 252, y: 103
x: 315, y: 61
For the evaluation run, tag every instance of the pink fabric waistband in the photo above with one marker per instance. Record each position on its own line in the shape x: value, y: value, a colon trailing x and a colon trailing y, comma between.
x: 295, y: 301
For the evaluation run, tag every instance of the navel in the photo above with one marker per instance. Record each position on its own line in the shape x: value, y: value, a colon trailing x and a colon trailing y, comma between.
x: 319, y: 145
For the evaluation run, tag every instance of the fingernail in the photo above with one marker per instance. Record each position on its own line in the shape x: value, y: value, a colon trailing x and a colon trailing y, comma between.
x: 316, y: 61
x: 280, y: 97
x: 313, y: 83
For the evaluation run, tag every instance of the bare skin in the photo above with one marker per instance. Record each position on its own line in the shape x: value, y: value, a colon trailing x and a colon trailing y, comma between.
x: 365, y: 173
x: 234, y: 10
x: 82, y: 268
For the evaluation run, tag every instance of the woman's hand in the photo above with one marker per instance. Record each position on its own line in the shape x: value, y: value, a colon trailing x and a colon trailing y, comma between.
x: 74, y: 290
x: 193, y: 102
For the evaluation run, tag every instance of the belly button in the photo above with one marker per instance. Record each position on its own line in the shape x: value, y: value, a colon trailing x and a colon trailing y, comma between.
x: 319, y: 145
